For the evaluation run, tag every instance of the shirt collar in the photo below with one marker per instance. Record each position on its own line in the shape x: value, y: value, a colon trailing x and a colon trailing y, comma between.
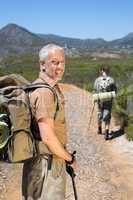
x: 43, y: 76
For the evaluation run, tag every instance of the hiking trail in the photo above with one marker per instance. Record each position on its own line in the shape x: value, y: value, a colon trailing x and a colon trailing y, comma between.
x: 104, y: 167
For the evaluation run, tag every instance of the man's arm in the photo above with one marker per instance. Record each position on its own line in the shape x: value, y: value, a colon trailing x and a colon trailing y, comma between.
x: 43, y: 101
x: 113, y: 85
x: 46, y: 126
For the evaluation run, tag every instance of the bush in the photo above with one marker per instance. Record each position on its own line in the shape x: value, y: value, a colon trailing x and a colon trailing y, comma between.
x: 120, y: 104
x: 81, y: 72
x: 129, y: 132
x: 121, y: 115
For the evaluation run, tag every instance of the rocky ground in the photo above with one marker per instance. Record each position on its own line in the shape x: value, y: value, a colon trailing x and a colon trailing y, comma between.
x: 104, y: 167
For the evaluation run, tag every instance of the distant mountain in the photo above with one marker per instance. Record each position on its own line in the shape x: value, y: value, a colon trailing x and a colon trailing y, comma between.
x: 15, y: 39
x: 74, y: 43
x: 122, y: 43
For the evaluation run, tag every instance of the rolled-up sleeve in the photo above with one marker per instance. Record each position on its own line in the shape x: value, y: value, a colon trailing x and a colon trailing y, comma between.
x: 42, y: 103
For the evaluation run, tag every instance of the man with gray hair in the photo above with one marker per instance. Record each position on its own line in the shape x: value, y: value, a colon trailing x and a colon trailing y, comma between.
x: 44, y: 176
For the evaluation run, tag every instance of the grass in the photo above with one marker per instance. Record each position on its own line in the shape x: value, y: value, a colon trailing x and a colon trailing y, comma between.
x: 129, y: 132
x: 81, y: 72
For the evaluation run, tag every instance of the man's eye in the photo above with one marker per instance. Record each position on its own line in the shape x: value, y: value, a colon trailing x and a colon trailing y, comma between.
x: 55, y: 62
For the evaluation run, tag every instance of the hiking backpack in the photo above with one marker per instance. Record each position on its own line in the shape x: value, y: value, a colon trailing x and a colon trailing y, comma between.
x: 104, y: 84
x: 18, y: 127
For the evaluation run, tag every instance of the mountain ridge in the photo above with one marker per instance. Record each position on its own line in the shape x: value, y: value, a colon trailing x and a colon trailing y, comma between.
x: 15, y: 39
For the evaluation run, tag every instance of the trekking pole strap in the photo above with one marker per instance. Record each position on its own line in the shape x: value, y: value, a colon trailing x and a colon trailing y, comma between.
x: 50, y: 159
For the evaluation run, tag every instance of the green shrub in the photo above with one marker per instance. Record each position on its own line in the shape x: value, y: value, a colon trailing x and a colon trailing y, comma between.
x: 81, y: 72
x: 129, y: 132
x: 120, y: 103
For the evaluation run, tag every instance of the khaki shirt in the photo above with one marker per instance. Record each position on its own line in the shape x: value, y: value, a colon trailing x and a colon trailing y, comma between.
x: 44, y: 106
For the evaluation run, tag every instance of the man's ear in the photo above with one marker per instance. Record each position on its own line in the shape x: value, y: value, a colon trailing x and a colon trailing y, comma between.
x: 42, y: 66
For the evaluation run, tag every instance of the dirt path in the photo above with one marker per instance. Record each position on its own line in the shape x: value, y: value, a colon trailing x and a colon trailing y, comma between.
x: 104, y: 170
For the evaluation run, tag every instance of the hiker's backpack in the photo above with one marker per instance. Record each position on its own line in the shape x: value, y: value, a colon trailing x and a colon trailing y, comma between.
x: 105, y: 84
x: 17, y: 139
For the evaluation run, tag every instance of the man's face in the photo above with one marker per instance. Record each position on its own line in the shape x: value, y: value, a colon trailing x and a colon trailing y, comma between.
x: 55, y: 65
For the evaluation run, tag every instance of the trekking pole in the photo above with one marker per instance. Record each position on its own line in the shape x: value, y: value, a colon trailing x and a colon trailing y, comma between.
x: 70, y: 171
x: 91, y: 115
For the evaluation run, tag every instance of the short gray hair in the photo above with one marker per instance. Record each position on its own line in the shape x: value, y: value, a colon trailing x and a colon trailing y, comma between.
x: 43, y: 53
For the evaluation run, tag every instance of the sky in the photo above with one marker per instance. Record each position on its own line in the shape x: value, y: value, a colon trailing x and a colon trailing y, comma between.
x: 107, y: 19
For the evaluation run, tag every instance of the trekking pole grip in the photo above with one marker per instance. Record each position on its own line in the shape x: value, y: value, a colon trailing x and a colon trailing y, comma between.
x: 73, y: 158
x: 70, y: 171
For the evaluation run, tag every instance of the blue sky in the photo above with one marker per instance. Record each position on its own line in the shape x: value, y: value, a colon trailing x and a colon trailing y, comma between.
x: 108, y: 19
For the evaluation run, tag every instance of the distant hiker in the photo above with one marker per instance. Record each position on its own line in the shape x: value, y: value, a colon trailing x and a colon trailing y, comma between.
x: 104, y: 83
x: 44, y: 176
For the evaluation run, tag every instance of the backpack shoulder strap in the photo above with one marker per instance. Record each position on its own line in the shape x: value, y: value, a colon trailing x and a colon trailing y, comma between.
x: 35, y: 86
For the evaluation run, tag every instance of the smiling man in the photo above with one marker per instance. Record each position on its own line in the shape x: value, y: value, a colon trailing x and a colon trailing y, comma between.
x: 44, y: 176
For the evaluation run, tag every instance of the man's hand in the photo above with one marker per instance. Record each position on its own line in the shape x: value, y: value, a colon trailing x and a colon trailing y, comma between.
x: 74, y: 165
x: 73, y: 162
x: 48, y: 136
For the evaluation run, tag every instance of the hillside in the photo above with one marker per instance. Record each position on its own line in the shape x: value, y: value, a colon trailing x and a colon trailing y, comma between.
x: 20, y: 47
x: 122, y: 43
x: 15, y: 39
